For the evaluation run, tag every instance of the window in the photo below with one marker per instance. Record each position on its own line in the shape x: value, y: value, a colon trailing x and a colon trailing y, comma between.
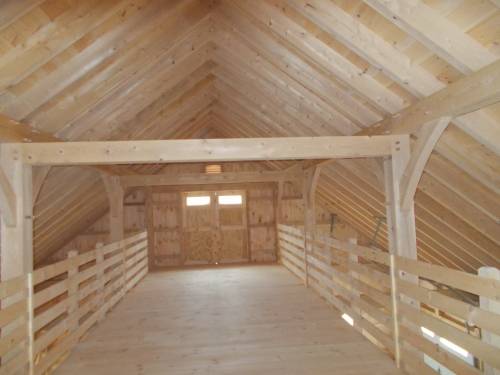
x: 230, y: 199
x: 203, y: 200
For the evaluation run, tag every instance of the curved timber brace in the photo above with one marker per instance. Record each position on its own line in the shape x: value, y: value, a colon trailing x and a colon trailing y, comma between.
x: 16, y: 208
x: 8, y: 205
x: 428, y: 136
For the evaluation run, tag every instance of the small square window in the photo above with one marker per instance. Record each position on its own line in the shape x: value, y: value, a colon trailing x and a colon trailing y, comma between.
x: 230, y: 199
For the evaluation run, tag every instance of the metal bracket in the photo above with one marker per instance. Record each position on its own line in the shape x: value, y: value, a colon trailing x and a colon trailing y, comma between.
x: 333, y: 218
x: 380, y: 220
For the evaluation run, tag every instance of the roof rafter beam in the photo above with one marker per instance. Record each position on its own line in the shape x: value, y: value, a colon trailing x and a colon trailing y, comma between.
x: 438, y: 34
x: 469, y: 94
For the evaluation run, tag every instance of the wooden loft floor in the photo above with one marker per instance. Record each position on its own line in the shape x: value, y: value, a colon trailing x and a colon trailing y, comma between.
x: 240, y: 319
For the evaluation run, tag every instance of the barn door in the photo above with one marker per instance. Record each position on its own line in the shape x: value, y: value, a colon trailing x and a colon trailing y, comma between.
x: 199, y: 227
x: 214, y: 227
x: 231, y: 219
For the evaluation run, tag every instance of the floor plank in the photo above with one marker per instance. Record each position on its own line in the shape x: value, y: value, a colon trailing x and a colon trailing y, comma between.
x: 230, y: 320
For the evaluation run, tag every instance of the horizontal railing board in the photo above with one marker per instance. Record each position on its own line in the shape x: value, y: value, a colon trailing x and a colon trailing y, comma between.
x: 43, y: 341
x: 457, y: 279
x: 16, y: 365
x: 472, y: 344
x: 360, y: 323
x: 425, y: 346
x: 48, y: 272
x: 293, y: 240
x: 13, y: 286
x: 356, y: 280
x: 64, y: 314
x: 474, y: 315
x: 50, y: 293
x: 297, y: 272
x: 13, y: 312
x: 298, y: 263
x: 51, y: 314
x: 82, y: 276
x: 327, y: 286
x: 13, y: 339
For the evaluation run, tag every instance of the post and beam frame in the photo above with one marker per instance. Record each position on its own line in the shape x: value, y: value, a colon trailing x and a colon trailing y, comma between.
x: 18, y: 158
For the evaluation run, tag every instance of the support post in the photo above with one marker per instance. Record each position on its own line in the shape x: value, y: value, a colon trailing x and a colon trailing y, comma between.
x: 493, y: 306
x: 115, y: 196
x: 17, y: 235
x: 311, y: 176
x: 401, y: 230
x: 278, y: 204
x: 150, y: 225
x: 30, y: 323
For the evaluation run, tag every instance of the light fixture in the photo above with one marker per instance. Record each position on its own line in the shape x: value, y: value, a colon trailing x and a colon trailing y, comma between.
x: 213, y: 169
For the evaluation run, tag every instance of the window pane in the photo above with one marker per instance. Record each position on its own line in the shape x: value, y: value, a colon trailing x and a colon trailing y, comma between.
x: 230, y: 199
x: 198, y: 201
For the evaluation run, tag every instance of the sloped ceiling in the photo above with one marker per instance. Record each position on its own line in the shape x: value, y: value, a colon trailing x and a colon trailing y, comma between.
x: 155, y: 69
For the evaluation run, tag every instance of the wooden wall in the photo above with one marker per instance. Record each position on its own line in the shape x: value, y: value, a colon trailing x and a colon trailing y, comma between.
x: 158, y: 210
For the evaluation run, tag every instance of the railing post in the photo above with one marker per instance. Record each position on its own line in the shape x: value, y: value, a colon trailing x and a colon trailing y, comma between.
x: 493, y: 306
x: 354, y: 259
x: 124, y: 270
x: 73, y: 319
x: 394, y: 303
x: 30, y: 325
x: 100, y: 281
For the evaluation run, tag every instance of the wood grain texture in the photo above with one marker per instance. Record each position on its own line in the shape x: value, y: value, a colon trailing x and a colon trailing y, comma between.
x: 244, y: 320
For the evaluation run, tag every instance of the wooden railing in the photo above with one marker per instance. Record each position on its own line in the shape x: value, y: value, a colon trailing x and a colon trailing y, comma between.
x: 45, y: 313
x: 439, y: 301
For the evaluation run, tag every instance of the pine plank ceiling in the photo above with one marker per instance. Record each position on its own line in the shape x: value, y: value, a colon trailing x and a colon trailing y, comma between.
x: 156, y: 69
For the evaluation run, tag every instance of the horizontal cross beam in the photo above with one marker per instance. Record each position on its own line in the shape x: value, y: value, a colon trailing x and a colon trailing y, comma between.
x: 206, y: 179
x: 200, y: 150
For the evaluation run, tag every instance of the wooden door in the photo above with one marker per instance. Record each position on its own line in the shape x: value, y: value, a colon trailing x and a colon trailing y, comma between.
x: 164, y: 227
x: 232, y: 229
x: 198, y: 227
x: 214, y: 227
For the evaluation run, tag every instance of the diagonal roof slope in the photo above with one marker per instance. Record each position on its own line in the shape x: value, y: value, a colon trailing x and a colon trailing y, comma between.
x: 150, y: 69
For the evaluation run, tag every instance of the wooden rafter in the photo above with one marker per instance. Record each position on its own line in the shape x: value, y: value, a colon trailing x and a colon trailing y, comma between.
x: 469, y: 94
x: 440, y: 35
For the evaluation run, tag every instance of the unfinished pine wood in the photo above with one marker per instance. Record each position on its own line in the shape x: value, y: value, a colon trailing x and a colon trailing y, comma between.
x: 149, y: 69
x: 245, y: 320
